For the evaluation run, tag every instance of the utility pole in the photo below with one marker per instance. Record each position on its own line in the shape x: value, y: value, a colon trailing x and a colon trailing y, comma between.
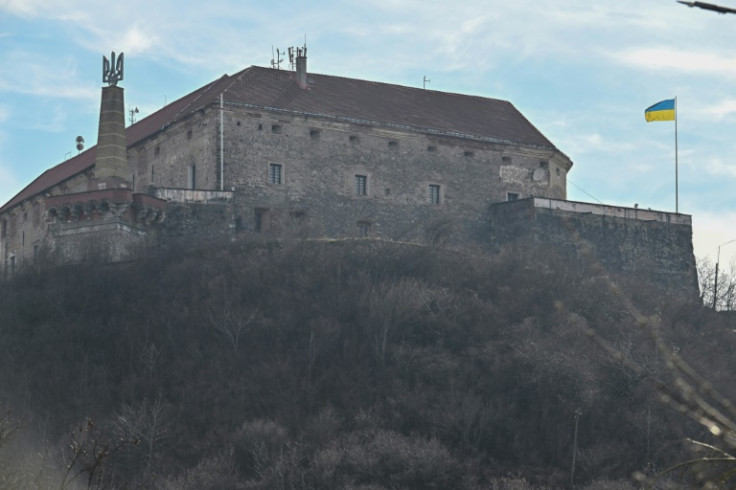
x: 715, y: 282
x: 578, y: 413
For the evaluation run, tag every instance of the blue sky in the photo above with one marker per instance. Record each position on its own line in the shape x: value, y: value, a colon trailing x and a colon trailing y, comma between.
x: 583, y: 72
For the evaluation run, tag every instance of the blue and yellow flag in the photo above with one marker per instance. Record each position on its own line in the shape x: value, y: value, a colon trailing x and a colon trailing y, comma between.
x: 661, y: 111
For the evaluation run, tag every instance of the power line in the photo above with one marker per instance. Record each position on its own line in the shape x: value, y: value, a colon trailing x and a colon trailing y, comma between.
x: 584, y: 191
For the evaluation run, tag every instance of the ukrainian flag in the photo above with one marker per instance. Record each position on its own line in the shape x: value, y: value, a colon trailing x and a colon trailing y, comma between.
x: 661, y: 111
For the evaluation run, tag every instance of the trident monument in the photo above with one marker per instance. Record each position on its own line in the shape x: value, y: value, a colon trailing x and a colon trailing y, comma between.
x: 111, y: 163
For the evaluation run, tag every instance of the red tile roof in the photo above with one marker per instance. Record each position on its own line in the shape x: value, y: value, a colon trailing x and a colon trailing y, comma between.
x: 385, y: 104
x: 339, y: 98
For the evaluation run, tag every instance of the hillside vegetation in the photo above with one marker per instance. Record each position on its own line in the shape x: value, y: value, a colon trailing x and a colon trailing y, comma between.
x: 357, y: 364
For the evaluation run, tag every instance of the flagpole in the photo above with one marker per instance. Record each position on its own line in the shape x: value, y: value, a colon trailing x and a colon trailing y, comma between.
x: 677, y: 198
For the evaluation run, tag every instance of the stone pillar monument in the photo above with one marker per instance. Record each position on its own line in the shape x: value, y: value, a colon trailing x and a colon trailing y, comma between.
x: 111, y: 162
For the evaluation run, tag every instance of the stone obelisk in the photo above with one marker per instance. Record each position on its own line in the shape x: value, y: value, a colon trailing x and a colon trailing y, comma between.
x: 111, y: 162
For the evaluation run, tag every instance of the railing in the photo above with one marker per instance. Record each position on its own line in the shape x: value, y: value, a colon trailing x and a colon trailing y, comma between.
x: 613, y: 211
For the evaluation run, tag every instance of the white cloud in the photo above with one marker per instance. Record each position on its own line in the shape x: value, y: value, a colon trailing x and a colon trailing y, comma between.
x: 720, y: 109
x: 4, y: 113
x: 36, y: 74
x: 22, y: 7
x: 717, y: 166
x: 672, y: 59
x: 713, y: 230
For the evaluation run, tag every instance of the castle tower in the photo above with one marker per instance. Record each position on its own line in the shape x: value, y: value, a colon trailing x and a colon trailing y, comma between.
x: 111, y: 163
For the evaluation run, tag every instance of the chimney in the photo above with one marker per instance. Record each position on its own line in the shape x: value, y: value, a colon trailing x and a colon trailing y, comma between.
x: 301, y: 67
x: 111, y: 161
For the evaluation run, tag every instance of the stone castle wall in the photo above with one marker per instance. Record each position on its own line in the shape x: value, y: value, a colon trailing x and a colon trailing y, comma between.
x: 319, y: 160
x: 622, y: 241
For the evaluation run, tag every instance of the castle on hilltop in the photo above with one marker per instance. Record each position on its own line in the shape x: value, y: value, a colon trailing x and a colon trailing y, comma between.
x: 280, y: 153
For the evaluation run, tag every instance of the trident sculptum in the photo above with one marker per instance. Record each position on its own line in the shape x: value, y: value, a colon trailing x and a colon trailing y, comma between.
x: 112, y: 71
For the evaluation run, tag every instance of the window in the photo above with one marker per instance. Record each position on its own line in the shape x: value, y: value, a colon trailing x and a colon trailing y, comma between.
x: 152, y: 173
x: 361, y: 185
x: 314, y: 134
x: 3, y: 228
x: 354, y: 139
x: 189, y: 134
x: 192, y: 176
x: 261, y: 219
x: 363, y: 229
x: 506, y: 159
x: 36, y: 215
x: 276, y: 128
x: 468, y: 154
x: 512, y: 196
x: 393, y: 145
x: 274, y: 173
x: 434, y: 193
x: 432, y: 148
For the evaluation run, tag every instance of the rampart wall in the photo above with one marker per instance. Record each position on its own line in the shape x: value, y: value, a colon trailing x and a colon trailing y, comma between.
x: 623, y: 241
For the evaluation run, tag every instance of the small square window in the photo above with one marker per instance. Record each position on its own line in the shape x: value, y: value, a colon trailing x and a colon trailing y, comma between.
x: 432, y: 148
x: 275, y: 175
x: 189, y: 134
x: 354, y: 139
x: 468, y: 154
x: 314, y: 134
x: 192, y: 176
x: 512, y: 196
x: 434, y: 194
x: 260, y: 216
x: 506, y: 159
x: 156, y: 151
x: 276, y: 128
x: 393, y: 145
x: 557, y: 171
x: 363, y: 229
x: 361, y: 185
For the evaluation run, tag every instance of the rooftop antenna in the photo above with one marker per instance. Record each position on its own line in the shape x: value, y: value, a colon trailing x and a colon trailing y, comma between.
x: 132, y: 113
x: 276, y: 62
x: 425, y: 81
x: 295, y: 53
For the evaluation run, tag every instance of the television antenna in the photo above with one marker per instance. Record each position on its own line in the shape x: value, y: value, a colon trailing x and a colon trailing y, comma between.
x: 276, y: 61
x: 425, y: 81
x: 132, y: 113
x: 295, y: 53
